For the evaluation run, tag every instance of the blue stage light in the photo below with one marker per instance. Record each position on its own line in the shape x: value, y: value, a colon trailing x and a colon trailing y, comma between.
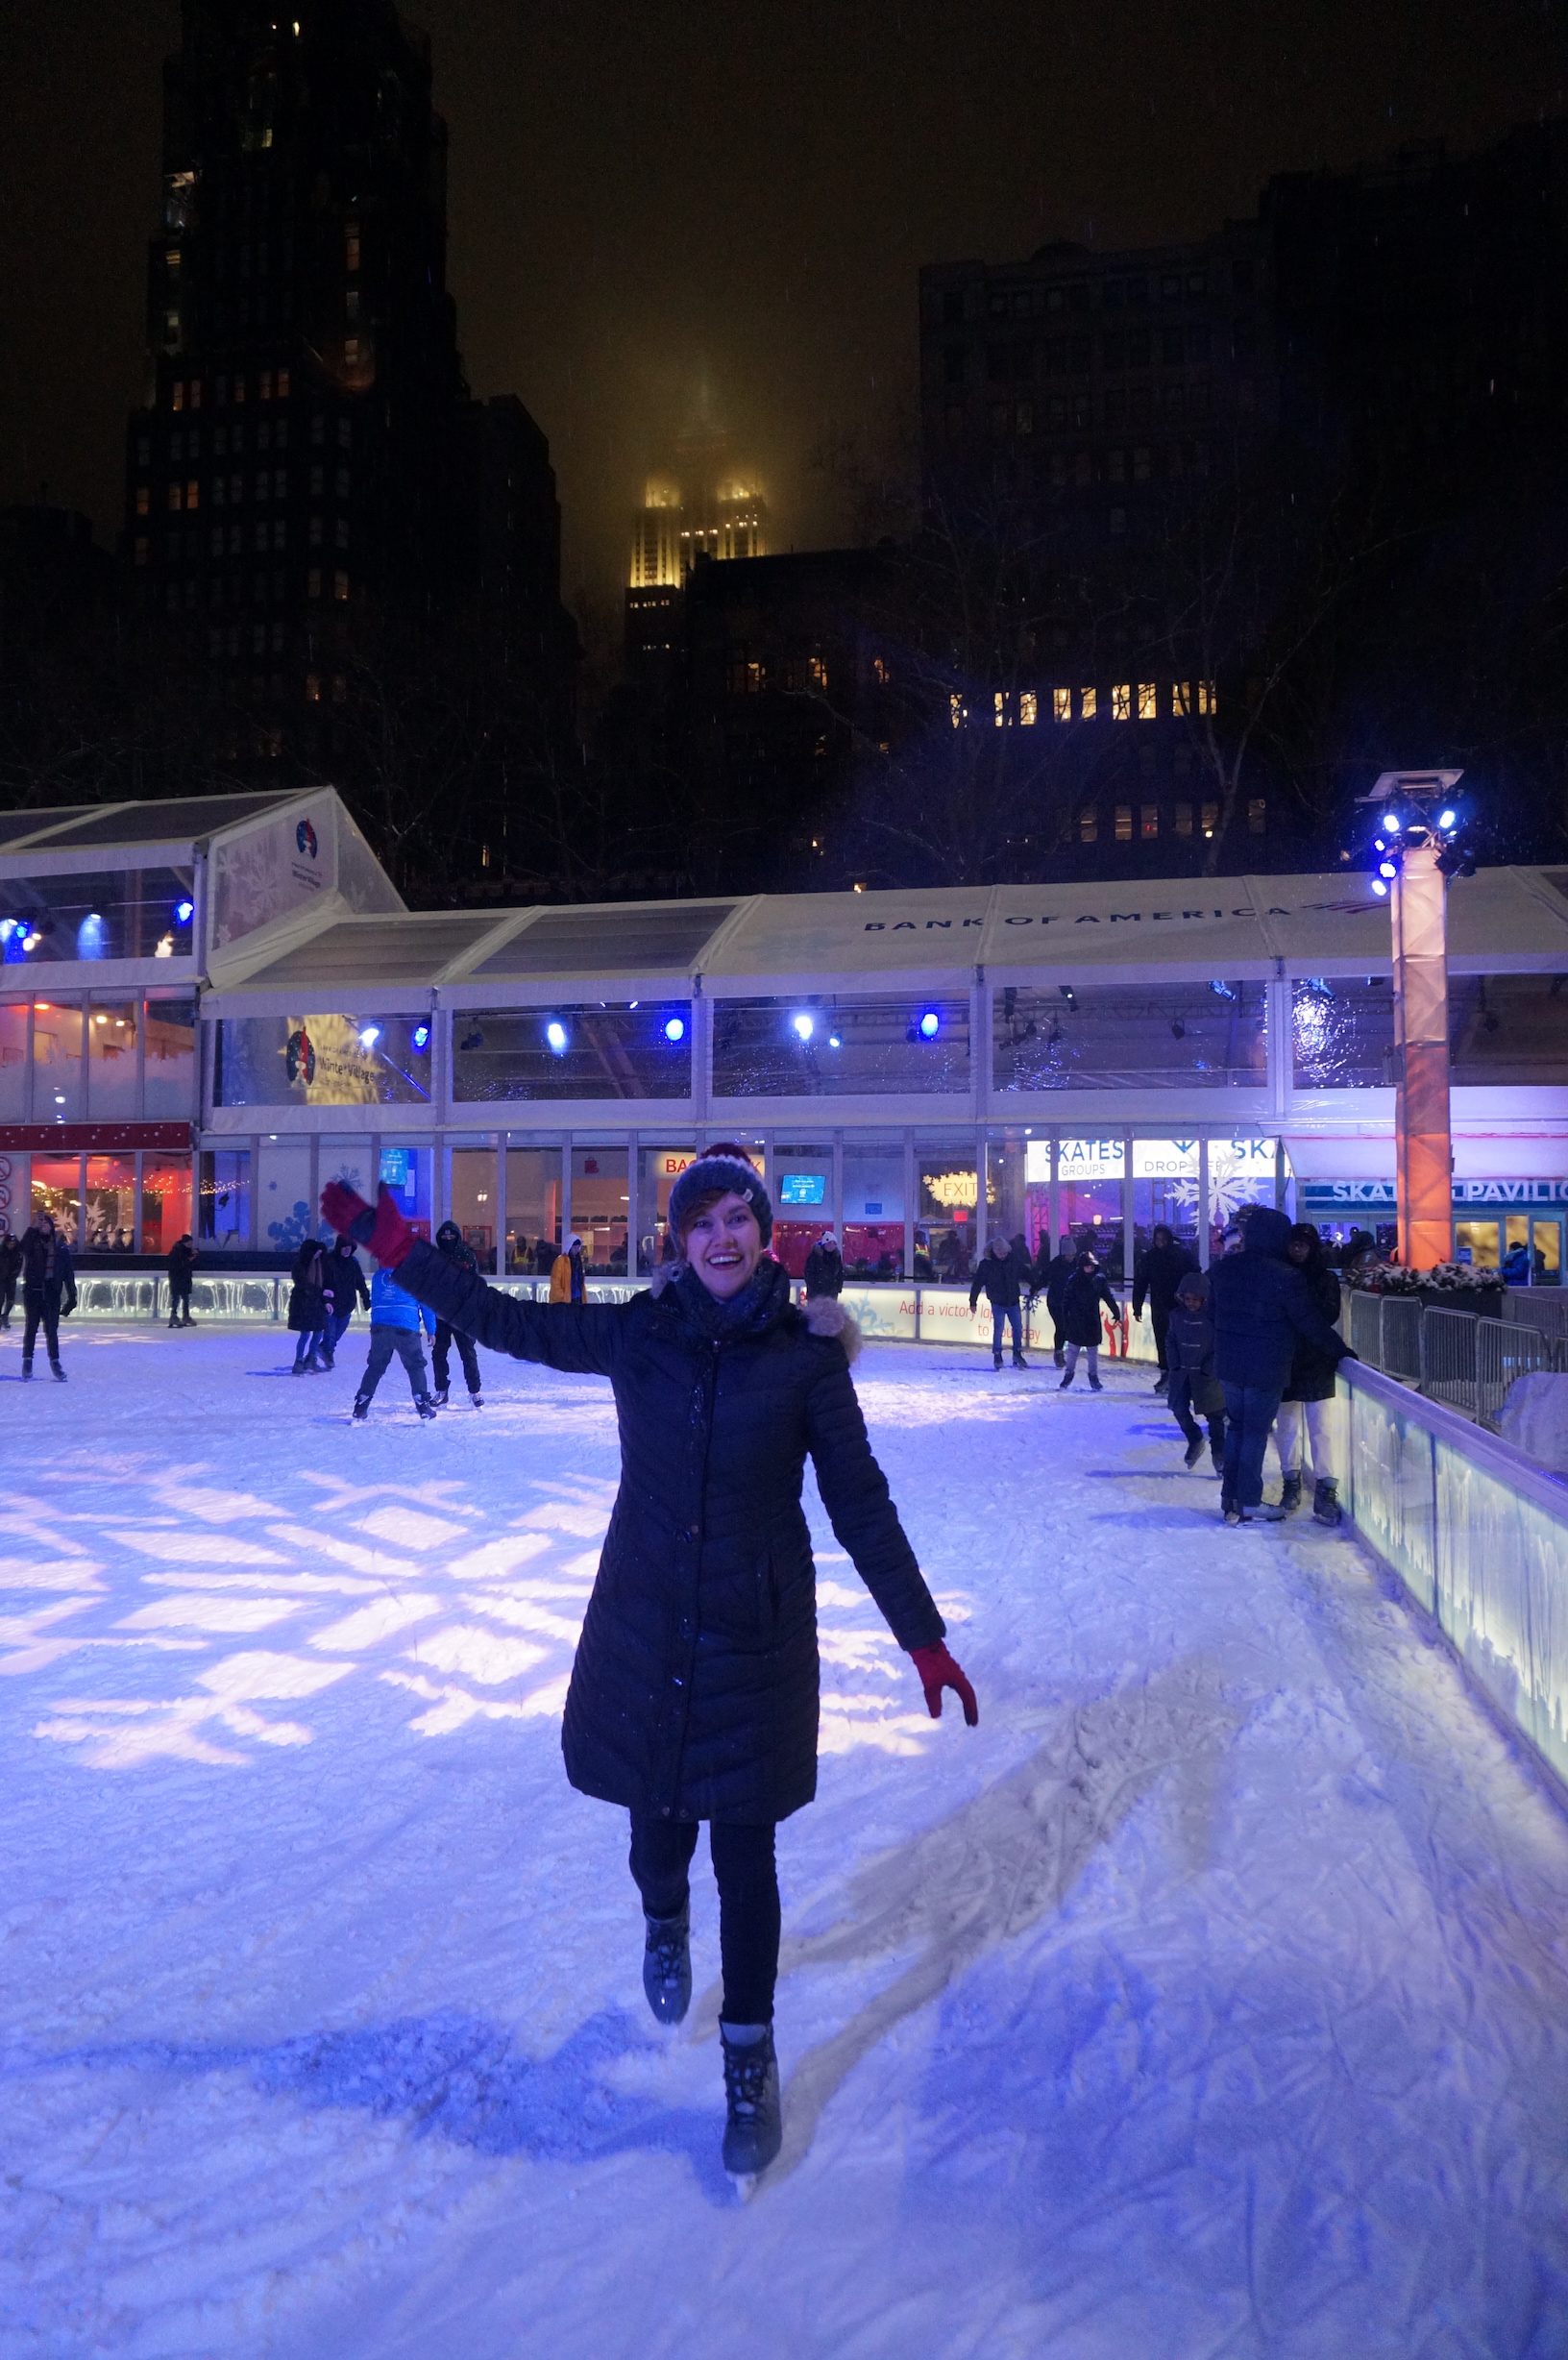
x: 369, y: 1035
x: 676, y: 1028
x: 184, y: 910
x: 804, y: 1025
x: 930, y: 1025
x: 422, y: 1036
x: 555, y: 1035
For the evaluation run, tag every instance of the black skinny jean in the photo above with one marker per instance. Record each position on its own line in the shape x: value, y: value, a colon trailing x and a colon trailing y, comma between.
x: 40, y: 1304
x: 445, y: 1338
x: 749, y: 1910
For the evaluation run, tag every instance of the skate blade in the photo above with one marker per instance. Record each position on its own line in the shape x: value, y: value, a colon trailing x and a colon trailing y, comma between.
x: 745, y: 2184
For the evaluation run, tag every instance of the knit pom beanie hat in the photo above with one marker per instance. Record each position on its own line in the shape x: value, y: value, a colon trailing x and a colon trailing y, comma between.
x: 721, y: 1169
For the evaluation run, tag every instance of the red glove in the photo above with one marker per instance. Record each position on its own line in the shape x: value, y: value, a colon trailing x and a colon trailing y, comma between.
x: 384, y: 1230
x: 939, y: 1671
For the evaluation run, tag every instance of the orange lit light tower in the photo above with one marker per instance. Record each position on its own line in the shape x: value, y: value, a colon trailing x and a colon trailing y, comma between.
x: 1418, y: 847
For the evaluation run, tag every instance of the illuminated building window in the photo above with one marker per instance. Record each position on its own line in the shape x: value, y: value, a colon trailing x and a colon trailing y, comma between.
x: 879, y: 671
x: 312, y: 688
x: 240, y: 389
x: 1124, y: 823
x: 1087, y: 703
x: 1181, y: 699
x: 1121, y: 702
x: 351, y: 352
x: 340, y: 586
x: 1001, y: 708
x: 1210, y: 818
x: 312, y: 583
x: 193, y: 494
x: 177, y: 394
x: 1208, y: 701
x: 351, y: 246
x: 1184, y: 818
x: 1028, y: 708
x: 1089, y: 824
x: 1257, y: 816
x: 1148, y: 700
x: 817, y: 672
x: 1061, y: 705
x: 143, y: 500
x: 1149, y: 821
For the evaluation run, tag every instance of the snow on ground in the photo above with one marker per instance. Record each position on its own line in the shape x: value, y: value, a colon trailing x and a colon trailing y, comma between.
x: 1211, y: 1998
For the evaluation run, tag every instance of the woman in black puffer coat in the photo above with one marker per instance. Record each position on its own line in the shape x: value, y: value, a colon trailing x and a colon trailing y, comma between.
x: 1308, y: 1399
x: 693, y: 1695
x: 1084, y: 1296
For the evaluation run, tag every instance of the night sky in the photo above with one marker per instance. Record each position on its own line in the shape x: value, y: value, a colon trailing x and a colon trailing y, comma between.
x: 646, y: 190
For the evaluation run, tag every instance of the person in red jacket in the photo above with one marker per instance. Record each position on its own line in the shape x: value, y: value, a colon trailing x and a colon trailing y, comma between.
x: 693, y: 1693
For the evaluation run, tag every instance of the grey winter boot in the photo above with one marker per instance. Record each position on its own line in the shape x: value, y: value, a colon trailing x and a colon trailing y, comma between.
x: 667, y: 1966
x: 1326, y: 1508
x: 1290, y: 1496
x: 754, y: 2131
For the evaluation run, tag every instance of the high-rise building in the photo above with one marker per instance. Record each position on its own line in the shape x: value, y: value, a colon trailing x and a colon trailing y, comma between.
x: 307, y: 449
x: 706, y: 506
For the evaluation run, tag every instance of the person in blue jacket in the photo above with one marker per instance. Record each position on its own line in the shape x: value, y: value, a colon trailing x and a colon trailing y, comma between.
x: 397, y: 1325
x: 1262, y: 1311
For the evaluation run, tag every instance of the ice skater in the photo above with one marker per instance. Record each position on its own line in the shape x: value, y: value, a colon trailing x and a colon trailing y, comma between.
x: 1190, y: 1343
x: 48, y: 1291
x: 451, y: 1242
x: 694, y: 1694
x: 1262, y: 1310
x: 182, y: 1266
x: 10, y: 1271
x: 346, y: 1291
x: 1087, y: 1290
x: 1309, y: 1400
x: 997, y: 1271
x: 399, y: 1324
x: 307, y: 1307
x: 1158, y: 1279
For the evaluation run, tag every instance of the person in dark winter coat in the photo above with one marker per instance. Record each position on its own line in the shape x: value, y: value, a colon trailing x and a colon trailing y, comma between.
x: 451, y: 1242
x: 1309, y: 1400
x: 997, y: 1272
x: 695, y: 1691
x: 568, y: 1279
x: 10, y: 1271
x: 1053, y: 1282
x: 48, y: 1290
x: 182, y: 1264
x: 1087, y: 1293
x: 346, y: 1294
x: 307, y: 1307
x: 1158, y: 1277
x: 824, y: 1268
x: 1193, y: 1384
x: 1262, y: 1308
x: 399, y: 1324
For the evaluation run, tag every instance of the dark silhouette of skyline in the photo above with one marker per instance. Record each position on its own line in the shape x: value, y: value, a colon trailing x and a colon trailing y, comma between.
x: 638, y: 194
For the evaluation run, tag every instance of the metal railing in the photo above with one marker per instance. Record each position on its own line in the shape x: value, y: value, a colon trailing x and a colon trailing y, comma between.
x: 1451, y: 1356
x: 1542, y: 1308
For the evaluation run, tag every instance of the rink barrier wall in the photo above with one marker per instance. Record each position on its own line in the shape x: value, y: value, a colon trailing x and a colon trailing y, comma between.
x: 885, y: 1314
x: 1479, y: 1536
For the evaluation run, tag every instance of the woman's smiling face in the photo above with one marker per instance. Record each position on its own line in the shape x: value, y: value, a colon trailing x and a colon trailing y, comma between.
x: 724, y: 1245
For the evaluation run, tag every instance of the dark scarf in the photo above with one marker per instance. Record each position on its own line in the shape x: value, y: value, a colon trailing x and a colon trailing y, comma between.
x: 760, y: 1303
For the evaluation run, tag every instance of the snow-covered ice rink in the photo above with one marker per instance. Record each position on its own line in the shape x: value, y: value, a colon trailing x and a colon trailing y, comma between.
x: 1210, y: 1999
